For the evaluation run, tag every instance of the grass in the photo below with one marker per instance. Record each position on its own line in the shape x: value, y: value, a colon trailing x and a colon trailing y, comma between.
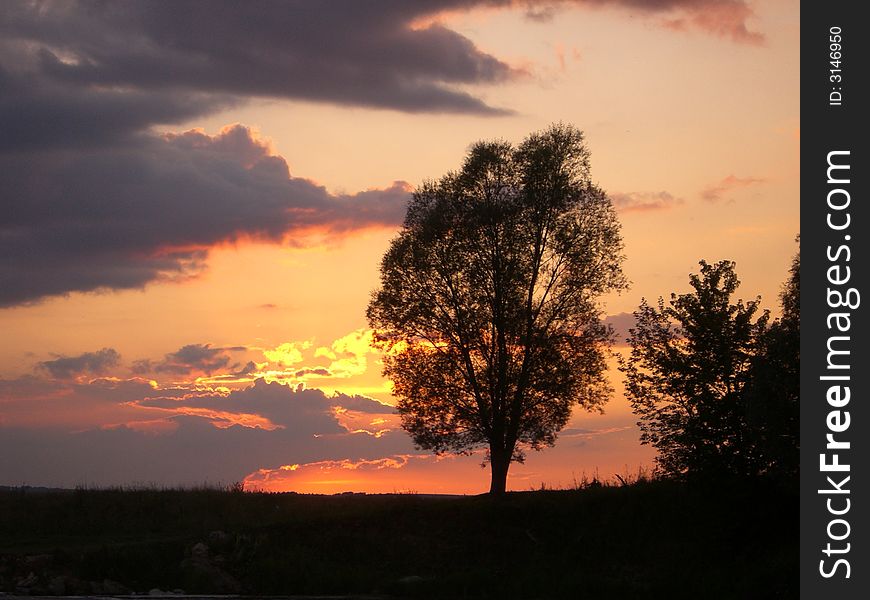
x: 647, y: 539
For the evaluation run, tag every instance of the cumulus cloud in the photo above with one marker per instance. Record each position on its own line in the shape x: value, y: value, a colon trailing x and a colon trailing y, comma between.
x: 149, y: 211
x: 192, y: 450
x: 79, y: 74
x: 113, y: 431
x: 288, y: 353
x: 345, y: 358
x: 73, y: 403
x: 249, y: 368
x: 98, y: 202
x: 195, y: 358
x: 351, y: 52
x: 94, y: 401
x: 348, y: 52
x: 95, y: 363
x: 349, y: 353
x: 37, y: 114
x: 307, y: 412
x: 182, y: 436
x: 312, y: 371
x: 717, y: 192
x: 643, y: 201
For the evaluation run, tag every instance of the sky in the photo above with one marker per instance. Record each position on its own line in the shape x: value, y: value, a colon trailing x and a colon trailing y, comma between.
x: 196, y: 197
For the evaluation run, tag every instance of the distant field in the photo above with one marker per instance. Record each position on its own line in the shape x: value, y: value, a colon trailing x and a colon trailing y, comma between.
x: 648, y: 540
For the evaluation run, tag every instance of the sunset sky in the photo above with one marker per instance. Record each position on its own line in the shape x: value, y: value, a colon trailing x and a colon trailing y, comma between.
x: 196, y: 197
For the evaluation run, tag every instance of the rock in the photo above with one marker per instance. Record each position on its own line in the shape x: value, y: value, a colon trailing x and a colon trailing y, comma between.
x: 156, y: 592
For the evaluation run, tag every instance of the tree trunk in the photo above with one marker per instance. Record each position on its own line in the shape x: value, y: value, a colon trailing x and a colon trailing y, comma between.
x: 499, y: 462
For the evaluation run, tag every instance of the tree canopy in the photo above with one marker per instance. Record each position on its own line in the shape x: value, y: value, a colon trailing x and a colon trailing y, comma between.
x: 690, y: 364
x: 773, y: 396
x: 488, y: 305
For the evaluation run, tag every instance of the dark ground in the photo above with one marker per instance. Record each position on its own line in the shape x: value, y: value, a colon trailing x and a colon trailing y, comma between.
x: 649, y: 540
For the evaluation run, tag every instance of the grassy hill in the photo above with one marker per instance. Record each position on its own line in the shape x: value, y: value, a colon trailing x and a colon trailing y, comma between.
x: 648, y: 540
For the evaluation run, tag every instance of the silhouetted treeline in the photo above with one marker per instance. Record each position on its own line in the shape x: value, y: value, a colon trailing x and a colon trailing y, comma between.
x: 658, y: 539
x: 715, y: 382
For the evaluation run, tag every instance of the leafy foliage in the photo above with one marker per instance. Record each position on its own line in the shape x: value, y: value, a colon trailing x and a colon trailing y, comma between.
x: 488, y: 299
x: 690, y: 364
x: 773, y: 396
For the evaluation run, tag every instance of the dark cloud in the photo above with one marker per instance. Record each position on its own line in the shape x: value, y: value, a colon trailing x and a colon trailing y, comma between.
x: 362, y: 53
x: 93, y: 200
x: 192, y: 452
x: 148, y: 211
x: 96, y: 363
x: 194, y: 357
x: 199, y: 359
x: 351, y: 52
x: 248, y: 369
x: 306, y: 411
x: 177, y: 436
x: 643, y: 201
x: 26, y: 386
x: 40, y: 114
x: 300, y: 411
x: 722, y: 18
x: 319, y: 371
x: 75, y: 403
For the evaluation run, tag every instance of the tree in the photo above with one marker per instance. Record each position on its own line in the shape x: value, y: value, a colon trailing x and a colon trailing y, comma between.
x: 690, y: 362
x: 487, y: 308
x: 773, y: 395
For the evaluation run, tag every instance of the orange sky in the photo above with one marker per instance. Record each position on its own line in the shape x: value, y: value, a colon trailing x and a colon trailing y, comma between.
x: 254, y: 364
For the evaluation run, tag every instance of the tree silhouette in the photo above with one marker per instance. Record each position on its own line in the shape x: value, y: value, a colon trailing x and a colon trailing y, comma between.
x: 487, y: 308
x: 773, y: 396
x: 690, y: 362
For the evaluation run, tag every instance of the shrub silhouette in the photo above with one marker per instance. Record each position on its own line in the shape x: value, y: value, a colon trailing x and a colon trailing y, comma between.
x: 689, y: 369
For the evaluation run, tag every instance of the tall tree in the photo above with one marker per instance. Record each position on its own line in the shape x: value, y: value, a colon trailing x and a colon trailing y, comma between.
x: 773, y: 396
x: 688, y: 368
x: 488, y: 305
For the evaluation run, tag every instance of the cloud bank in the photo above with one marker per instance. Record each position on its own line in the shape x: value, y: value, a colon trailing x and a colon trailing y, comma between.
x: 95, y: 200
x: 180, y: 435
x: 149, y: 210
x: 162, y: 62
